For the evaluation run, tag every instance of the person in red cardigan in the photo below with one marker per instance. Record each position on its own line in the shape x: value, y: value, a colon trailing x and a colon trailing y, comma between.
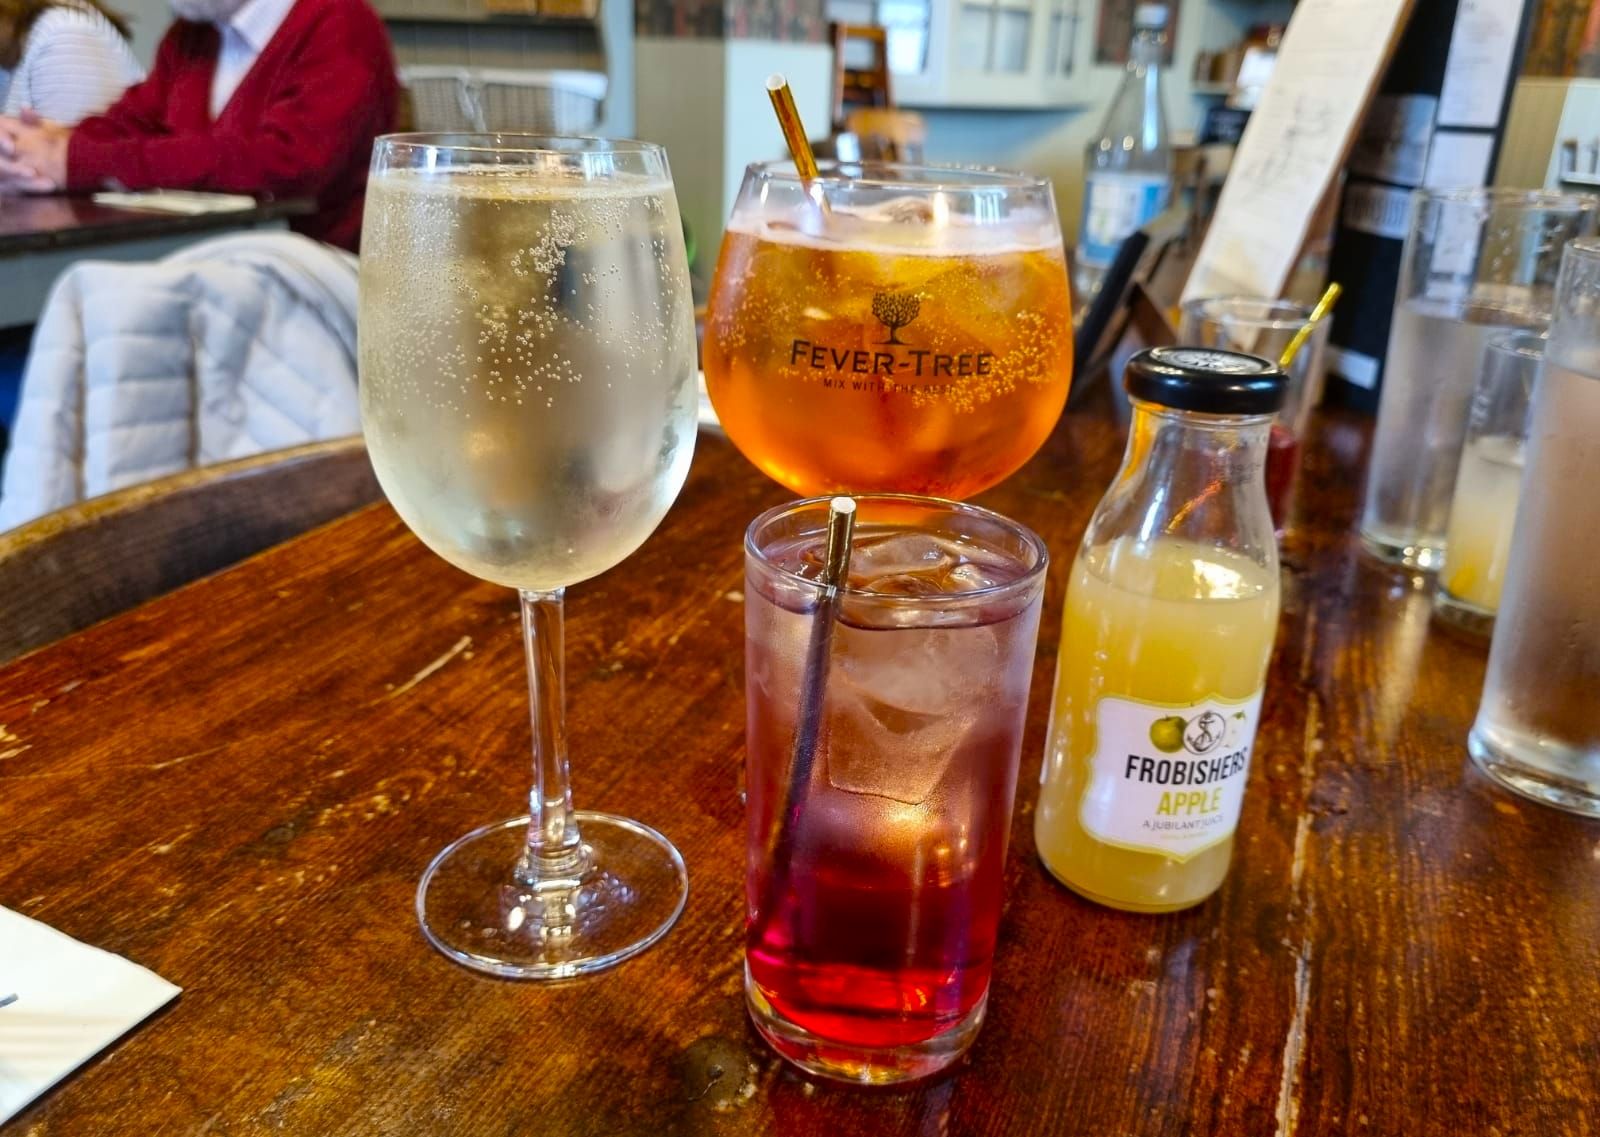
x: 279, y: 97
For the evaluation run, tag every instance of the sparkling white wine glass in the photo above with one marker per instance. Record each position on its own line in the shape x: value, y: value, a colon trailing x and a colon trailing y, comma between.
x: 528, y: 399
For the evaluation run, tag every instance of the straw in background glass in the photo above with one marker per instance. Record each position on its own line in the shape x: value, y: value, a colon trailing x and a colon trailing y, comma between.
x: 1323, y: 306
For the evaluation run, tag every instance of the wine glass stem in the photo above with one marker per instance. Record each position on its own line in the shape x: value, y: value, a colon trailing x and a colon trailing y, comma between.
x: 555, y: 855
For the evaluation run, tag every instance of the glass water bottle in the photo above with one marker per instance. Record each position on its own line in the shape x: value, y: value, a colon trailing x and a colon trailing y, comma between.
x: 1127, y: 169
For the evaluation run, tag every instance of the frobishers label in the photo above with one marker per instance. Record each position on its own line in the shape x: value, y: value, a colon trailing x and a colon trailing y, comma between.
x: 1168, y: 779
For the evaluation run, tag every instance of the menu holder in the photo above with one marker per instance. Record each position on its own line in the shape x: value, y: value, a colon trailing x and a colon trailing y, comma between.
x: 1328, y: 67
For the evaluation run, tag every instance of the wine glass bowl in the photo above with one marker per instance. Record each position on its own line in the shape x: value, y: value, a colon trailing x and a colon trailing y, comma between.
x: 526, y: 350
x: 889, y: 327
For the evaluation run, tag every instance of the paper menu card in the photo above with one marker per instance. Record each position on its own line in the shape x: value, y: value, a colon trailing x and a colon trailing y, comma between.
x: 73, y: 1001
x: 1483, y: 51
x: 1329, y: 63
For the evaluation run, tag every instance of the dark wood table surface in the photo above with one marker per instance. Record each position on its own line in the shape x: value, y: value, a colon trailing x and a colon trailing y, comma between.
x: 28, y: 224
x: 238, y: 785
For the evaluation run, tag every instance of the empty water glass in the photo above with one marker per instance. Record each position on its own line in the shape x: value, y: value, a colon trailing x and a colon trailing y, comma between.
x: 1477, y: 263
x: 1538, y: 726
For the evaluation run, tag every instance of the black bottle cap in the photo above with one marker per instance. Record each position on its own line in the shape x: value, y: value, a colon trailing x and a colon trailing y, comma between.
x: 1208, y: 380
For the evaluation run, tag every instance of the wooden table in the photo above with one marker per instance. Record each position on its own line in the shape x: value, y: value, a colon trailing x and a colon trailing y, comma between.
x: 41, y: 236
x: 239, y: 784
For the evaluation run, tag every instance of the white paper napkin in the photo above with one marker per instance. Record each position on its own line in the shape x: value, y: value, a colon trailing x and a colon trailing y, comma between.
x: 73, y: 1001
x: 188, y: 202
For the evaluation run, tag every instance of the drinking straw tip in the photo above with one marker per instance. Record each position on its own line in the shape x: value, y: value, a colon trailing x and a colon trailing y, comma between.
x: 1323, y: 306
x: 1329, y: 298
x: 841, y: 531
x: 794, y: 133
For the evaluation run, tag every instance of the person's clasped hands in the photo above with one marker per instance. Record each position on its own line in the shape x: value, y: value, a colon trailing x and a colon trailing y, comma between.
x: 33, y: 154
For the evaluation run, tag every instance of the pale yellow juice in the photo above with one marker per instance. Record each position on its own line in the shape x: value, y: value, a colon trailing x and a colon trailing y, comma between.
x: 1164, y: 652
x: 1478, y: 544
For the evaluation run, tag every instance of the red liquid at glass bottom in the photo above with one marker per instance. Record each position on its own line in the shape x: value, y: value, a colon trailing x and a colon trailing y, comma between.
x: 1283, y: 461
x: 879, y: 951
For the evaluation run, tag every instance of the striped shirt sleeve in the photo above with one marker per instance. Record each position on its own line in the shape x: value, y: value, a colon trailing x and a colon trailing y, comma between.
x: 73, y: 64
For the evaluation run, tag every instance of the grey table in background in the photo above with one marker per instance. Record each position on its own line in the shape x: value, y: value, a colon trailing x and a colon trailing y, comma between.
x: 41, y: 236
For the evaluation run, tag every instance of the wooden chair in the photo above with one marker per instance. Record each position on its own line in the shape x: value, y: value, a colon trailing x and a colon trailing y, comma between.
x: 81, y: 564
x: 858, y: 87
x: 888, y: 135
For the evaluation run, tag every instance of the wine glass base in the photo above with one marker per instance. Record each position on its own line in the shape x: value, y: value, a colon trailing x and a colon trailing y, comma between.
x: 474, y: 910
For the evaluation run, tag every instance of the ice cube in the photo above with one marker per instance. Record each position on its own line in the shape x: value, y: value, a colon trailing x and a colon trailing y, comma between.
x: 903, y: 701
x: 920, y: 564
x: 903, y: 221
x: 811, y: 562
x: 902, y: 211
x: 927, y: 671
x: 969, y: 576
x: 908, y: 584
x: 882, y: 557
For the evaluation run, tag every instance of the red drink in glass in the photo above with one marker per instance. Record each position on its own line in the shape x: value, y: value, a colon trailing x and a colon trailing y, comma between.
x: 1267, y: 329
x: 869, y: 945
x: 1283, y: 462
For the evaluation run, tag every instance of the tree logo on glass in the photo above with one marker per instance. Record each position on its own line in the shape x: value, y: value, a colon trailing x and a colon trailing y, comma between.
x: 889, y: 372
x: 894, y: 310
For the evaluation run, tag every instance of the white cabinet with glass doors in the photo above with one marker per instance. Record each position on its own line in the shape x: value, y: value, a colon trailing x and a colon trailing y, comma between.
x: 977, y: 53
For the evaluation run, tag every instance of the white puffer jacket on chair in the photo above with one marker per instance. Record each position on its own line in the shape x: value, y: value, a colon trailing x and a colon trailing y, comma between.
x: 234, y: 346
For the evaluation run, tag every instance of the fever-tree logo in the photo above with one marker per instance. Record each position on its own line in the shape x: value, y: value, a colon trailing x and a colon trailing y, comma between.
x: 894, y: 310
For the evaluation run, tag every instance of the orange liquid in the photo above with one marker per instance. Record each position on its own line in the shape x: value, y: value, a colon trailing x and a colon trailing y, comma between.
x: 855, y: 370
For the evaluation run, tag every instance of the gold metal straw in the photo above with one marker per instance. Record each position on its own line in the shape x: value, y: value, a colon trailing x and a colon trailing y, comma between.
x: 794, y: 131
x: 1329, y: 298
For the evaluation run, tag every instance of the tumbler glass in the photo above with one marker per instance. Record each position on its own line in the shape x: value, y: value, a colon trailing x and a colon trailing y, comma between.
x: 1477, y: 263
x: 1538, y: 726
x: 876, y: 857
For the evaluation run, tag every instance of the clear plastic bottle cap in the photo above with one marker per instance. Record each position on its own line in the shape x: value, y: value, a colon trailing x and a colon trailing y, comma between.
x: 1150, y: 16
